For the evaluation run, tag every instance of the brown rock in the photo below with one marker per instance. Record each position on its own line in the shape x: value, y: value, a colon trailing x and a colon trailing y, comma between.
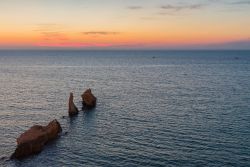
x: 88, y: 99
x: 73, y: 110
x: 33, y: 140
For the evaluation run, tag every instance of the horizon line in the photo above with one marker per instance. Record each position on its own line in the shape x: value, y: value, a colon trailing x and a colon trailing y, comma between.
x: 124, y: 49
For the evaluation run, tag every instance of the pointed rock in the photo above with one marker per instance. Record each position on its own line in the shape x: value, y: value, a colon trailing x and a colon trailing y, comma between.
x: 33, y: 140
x: 88, y: 99
x: 73, y: 110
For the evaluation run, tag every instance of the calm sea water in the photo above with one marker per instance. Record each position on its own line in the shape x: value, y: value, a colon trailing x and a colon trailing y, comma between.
x: 155, y: 108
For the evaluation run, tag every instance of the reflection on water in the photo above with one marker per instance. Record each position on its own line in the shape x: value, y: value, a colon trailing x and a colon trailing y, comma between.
x: 89, y: 117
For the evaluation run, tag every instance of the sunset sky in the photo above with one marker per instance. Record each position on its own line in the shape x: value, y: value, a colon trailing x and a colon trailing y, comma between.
x: 122, y: 24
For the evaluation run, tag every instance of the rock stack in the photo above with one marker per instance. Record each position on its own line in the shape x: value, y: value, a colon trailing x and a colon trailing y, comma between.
x: 33, y: 140
x: 88, y: 99
x: 73, y: 110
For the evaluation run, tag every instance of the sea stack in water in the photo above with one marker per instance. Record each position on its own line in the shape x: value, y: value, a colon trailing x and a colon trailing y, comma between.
x: 72, y: 108
x: 33, y: 140
x: 88, y: 99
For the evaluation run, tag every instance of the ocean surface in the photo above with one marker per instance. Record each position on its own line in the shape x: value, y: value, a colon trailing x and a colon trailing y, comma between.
x: 154, y: 108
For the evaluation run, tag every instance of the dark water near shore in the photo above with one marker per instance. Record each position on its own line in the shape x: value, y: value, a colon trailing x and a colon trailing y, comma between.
x: 155, y: 108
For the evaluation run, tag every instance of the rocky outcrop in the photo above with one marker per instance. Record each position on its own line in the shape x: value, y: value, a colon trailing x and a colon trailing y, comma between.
x: 88, y: 99
x: 72, y: 108
x: 33, y: 140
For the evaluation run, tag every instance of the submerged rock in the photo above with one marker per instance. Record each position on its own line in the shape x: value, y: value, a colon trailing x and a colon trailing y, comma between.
x: 73, y: 110
x: 88, y: 99
x: 33, y: 140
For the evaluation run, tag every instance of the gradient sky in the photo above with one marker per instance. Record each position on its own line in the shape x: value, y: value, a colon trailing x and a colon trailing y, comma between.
x: 142, y: 24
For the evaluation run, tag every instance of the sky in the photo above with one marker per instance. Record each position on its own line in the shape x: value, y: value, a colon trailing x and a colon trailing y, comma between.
x: 125, y: 24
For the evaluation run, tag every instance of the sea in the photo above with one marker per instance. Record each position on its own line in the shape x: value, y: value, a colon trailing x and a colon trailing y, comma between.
x: 154, y: 108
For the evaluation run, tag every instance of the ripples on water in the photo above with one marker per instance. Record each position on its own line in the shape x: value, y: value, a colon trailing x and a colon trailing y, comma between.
x: 177, y: 109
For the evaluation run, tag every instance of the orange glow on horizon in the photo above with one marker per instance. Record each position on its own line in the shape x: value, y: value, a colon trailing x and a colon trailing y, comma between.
x: 79, y: 40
